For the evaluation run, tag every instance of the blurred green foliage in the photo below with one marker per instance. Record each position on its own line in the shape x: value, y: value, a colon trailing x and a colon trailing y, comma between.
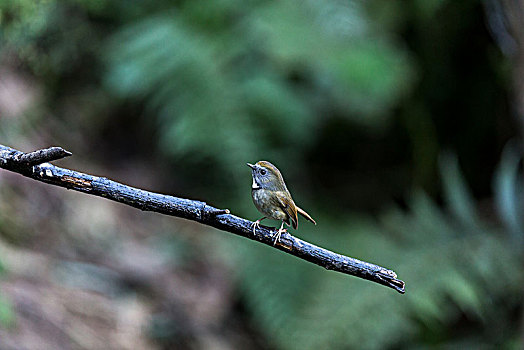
x: 7, y: 316
x: 358, y: 103
x: 232, y: 89
x: 455, y: 265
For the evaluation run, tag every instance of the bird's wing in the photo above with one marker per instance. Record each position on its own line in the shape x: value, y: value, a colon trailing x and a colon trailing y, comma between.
x: 289, y: 207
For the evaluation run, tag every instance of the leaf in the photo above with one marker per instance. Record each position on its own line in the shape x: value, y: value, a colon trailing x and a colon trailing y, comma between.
x: 456, y: 192
x: 509, y: 192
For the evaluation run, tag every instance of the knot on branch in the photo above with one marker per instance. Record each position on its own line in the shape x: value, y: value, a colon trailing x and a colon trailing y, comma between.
x: 208, y: 212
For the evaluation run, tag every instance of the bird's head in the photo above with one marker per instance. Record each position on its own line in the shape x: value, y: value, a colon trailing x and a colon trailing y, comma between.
x: 266, y: 176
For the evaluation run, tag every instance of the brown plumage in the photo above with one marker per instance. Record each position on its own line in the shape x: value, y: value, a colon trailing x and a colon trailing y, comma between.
x: 272, y: 198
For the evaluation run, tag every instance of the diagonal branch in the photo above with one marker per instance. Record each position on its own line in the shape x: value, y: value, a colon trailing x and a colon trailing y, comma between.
x: 27, y: 165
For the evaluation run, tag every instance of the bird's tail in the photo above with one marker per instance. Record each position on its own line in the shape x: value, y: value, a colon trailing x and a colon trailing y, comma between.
x: 306, y: 215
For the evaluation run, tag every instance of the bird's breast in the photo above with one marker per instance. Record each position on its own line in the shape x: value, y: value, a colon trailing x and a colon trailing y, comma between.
x: 266, y: 203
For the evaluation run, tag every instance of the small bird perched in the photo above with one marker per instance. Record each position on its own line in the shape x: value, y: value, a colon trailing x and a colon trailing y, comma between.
x: 272, y: 198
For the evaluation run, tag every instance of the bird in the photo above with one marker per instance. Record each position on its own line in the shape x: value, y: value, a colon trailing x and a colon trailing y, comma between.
x: 272, y: 198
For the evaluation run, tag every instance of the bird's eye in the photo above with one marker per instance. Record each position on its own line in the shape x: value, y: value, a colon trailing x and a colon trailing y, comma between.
x: 263, y: 172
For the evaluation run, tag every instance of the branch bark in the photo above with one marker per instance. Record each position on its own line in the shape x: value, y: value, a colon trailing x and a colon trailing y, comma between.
x: 33, y: 165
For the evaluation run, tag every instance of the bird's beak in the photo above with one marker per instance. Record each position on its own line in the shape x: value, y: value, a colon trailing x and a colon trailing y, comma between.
x: 250, y: 165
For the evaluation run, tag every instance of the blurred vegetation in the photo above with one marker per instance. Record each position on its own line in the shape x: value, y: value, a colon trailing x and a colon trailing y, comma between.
x: 390, y: 121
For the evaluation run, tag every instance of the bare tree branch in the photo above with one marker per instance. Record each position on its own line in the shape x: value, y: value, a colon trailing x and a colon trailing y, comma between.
x: 27, y: 165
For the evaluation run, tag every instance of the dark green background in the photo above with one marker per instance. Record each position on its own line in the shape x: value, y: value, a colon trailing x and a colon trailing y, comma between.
x: 393, y: 123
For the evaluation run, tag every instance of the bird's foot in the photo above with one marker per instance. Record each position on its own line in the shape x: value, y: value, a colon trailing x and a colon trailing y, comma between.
x: 255, y: 225
x: 278, y: 234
